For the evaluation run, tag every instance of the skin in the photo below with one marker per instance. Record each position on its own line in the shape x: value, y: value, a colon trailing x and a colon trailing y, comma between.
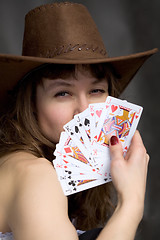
x: 130, y: 187
x: 32, y: 203
x: 59, y: 100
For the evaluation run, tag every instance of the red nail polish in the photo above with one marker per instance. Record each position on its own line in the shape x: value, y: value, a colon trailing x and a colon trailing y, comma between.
x: 113, y: 140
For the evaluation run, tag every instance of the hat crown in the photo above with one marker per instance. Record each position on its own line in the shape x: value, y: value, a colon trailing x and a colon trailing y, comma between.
x: 62, y: 33
x: 62, y: 30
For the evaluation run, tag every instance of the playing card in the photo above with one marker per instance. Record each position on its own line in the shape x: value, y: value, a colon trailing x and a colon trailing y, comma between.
x: 83, y: 122
x: 95, y: 111
x: 70, y: 163
x: 71, y: 186
x: 119, y: 118
x: 72, y: 128
x: 67, y: 146
x: 82, y: 154
x: 74, y: 177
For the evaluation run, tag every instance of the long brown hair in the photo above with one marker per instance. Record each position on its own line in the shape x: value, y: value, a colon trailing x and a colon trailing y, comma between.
x: 19, y: 131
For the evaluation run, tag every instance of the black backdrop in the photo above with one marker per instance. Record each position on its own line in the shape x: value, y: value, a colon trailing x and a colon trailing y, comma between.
x: 126, y: 26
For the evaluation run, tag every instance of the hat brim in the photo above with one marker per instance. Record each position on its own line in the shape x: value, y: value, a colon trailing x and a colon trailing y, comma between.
x: 13, y: 68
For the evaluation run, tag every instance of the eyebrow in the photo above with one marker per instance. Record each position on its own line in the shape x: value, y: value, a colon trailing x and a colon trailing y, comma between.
x: 68, y: 83
x: 57, y: 83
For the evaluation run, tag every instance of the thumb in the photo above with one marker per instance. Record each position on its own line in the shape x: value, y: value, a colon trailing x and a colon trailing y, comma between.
x: 117, y: 160
x: 116, y: 151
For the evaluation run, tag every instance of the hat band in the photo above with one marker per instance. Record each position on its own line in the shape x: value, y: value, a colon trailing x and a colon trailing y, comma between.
x: 57, y: 51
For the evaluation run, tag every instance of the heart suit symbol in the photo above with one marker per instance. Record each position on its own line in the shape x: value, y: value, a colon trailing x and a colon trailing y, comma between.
x: 114, y: 108
x: 98, y: 112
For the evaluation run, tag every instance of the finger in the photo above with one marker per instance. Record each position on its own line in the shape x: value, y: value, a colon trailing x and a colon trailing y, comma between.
x: 137, y: 141
x: 116, y: 151
x: 137, y: 147
x: 147, y: 157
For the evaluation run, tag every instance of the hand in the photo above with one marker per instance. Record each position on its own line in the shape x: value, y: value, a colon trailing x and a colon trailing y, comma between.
x: 129, y: 178
x: 129, y: 174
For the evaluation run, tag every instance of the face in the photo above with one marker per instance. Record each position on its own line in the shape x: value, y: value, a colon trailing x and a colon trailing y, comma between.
x: 58, y: 100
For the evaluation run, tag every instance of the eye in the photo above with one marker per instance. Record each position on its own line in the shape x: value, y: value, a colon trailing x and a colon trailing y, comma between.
x: 97, y: 91
x: 62, y: 94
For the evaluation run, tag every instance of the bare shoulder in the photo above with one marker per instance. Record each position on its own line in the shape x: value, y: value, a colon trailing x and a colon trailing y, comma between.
x: 24, y: 172
x: 37, y: 172
x: 38, y: 208
x: 22, y: 159
x: 22, y: 165
x: 24, y: 168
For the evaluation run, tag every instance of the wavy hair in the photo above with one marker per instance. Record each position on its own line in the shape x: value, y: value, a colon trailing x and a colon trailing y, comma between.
x: 20, y: 131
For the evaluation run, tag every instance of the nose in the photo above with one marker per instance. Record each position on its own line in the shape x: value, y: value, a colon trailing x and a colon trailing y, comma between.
x: 81, y: 104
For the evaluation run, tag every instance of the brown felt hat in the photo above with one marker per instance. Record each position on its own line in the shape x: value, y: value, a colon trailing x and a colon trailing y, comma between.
x: 62, y: 33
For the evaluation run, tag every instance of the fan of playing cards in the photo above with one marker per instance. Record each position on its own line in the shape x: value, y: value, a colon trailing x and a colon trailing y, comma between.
x: 82, y: 154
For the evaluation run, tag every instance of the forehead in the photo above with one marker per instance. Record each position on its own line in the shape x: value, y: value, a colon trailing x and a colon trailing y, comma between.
x: 81, y: 79
x: 71, y: 72
x: 70, y: 76
x: 64, y: 71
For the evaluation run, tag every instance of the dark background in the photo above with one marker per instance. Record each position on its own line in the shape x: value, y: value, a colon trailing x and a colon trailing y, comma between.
x: 127, y: 27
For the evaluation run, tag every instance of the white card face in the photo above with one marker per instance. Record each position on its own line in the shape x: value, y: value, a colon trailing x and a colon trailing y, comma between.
x: 72, y: 164
x: 83, y: 122
x: 120, y: 118
x: 95, y: 111
x: 82, y: 154
x: 68, y: 147
x: 72, y: 186
x: 73, y: 131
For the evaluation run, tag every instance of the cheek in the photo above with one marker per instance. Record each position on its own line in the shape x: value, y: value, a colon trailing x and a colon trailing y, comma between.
x: 60, y: 116
x: 52, y: 120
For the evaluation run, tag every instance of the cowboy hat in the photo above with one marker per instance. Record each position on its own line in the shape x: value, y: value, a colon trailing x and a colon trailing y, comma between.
x: 62, y: 33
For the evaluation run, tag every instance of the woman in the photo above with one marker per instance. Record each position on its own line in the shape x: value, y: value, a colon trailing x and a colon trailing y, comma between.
x: 64, y: 67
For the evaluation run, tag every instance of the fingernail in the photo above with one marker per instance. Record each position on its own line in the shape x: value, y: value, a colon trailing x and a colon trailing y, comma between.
x: 113, y: 140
